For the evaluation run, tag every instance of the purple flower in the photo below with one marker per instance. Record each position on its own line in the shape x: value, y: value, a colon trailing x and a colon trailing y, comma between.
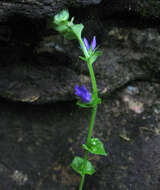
x: 83, y: 93
x: 93, y: 43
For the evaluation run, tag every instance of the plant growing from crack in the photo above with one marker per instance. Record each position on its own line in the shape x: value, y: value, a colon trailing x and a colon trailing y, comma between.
x: 86, y: 99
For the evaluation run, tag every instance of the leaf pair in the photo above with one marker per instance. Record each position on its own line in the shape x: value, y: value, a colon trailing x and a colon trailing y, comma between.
x: 95, y: 146
x: 82, y: 167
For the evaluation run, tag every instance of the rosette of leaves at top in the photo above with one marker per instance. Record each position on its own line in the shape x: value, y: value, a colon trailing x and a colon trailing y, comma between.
x: 67, y: 28
x: 74, y: 31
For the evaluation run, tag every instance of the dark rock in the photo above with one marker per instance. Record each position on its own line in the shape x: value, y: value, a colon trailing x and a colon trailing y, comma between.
x: 41, y: 9
x: 146, y: 8
x: 49, y: 72
x: 38, y: 143
x: 38, y: 8
x: 45, y: 68
x: 149, y: 8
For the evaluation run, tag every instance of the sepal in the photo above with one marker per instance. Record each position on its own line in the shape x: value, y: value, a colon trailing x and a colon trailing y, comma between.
x: 95, y: 146
x: 84, y: 105
x: 94, y: 56
x: 82, y: 167
x: 83, y: 58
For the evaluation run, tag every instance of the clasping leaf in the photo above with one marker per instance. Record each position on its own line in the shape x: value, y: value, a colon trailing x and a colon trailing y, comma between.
x: 95, y: 146
x: 82, y: 167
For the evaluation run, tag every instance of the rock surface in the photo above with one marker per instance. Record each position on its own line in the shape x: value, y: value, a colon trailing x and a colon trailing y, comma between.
x: 44, y: 67
x: 38, y: 8
x: 38, y: 142
x: 48, y: 71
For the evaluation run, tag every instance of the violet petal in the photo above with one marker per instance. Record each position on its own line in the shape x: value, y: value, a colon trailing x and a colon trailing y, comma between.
x: 86, y: 43
x: 83, y: 93
x: 93, y: 44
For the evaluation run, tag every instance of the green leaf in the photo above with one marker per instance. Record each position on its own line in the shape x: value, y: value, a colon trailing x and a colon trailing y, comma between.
x: 95, y: 55
x: 61, y: 28
x: 61, y: 17
x: 69, y: 35
x: 77, y: 29
x: 95, y: 146
x: 82, y: 167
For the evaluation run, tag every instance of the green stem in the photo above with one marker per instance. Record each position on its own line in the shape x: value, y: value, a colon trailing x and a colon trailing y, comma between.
x: 91, y: 124
x: 92, y: 121
x: 83, y: 176
x: 94, y: 109
x: 88, y: 139
x: 94, y: 85
x: 82, y: 182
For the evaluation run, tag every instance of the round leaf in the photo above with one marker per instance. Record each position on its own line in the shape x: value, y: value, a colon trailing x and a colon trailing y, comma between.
x: 61, y: 28
x: 82, y: 167
x: 95, y: 146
